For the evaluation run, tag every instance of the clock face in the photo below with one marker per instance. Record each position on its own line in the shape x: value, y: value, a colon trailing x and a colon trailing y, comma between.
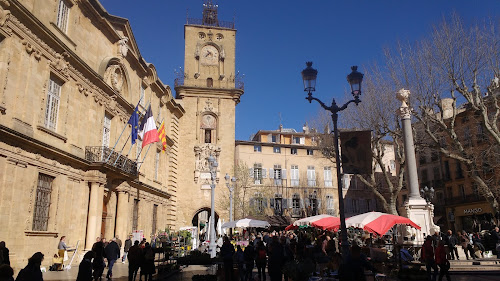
x: 209, y: 55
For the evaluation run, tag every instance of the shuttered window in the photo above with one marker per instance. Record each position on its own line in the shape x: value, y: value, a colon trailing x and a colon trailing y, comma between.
x: 294, y: 175
x: 327, y: 174
x: 311, y: 176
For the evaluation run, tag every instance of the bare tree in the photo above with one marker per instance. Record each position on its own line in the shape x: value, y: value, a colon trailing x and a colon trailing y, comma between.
x: 241, y: 192
x: 450, y: 76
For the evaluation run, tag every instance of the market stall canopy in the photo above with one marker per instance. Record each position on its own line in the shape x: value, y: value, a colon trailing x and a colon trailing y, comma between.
x: 375, y: 222
x: 308, y: 221
x: 245, y: 223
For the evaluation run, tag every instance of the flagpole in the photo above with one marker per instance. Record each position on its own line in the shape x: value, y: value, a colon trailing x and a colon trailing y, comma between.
x: 146, y: 152
x: 112, y: 150
x: 120, y: 154
x: 149, y: 146
x: 139, y: 154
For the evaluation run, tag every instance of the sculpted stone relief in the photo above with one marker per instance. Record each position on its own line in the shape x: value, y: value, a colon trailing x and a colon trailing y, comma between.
x: 202, y: 152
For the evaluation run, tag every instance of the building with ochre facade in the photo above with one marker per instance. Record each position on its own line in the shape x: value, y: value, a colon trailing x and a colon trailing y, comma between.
x: 71, y: 75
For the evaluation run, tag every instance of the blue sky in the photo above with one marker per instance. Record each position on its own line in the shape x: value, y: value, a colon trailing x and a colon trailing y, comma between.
x: 276, y: 37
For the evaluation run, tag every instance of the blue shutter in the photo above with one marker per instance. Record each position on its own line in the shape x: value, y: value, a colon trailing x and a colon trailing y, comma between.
x: 271, y: 202
x: 284, y: 204
x: 301, y: 203
x: 264, y: 173
x: 250, y: 173
x: 283, y: 174
x: 271, y: 173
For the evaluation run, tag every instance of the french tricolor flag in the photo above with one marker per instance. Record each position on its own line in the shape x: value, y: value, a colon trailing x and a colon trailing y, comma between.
x: 147, y: 129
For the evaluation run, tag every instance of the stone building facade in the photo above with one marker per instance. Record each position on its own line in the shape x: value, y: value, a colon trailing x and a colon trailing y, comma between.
x: 287, y: 175
x: 70, y: 77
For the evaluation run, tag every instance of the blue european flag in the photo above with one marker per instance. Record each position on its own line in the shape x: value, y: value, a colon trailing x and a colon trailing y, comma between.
x: 134, y: 122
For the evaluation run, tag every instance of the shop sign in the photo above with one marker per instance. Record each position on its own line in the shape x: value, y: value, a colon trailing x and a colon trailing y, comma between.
x: 473, y: 211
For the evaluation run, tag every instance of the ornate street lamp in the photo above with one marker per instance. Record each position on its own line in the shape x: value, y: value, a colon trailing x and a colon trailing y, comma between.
x: 355, y: 78
x: 231, y: 189
x: 212, y: 162
x: 427, y: 193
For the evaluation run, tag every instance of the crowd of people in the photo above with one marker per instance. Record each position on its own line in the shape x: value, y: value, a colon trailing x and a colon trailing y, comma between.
x: 104, y: 254
x: 140, y: 255
x: 274, y: 250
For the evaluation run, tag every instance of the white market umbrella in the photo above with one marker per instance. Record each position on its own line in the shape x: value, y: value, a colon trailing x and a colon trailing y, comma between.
x: 245, y: 223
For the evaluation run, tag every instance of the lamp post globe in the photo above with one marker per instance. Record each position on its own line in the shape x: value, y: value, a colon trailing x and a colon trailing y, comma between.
x: 355, y: 78
x: 309, y: 75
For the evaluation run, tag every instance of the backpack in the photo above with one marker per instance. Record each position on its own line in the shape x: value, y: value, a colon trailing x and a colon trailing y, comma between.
x: 262, y: 254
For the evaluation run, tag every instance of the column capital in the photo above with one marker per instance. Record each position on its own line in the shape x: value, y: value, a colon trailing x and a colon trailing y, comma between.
x: 95, y: 176
x: 404, y: 111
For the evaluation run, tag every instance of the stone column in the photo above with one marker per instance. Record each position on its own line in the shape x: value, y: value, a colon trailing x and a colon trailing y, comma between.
x: 122, y: 216
x: 95, y: 213
x: 416, y: 208
x: 109, y: 231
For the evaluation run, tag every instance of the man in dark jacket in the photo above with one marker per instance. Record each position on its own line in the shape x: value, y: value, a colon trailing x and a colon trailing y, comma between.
x: 128, y: 244
x: 98, y: 263
x: 85, y: 268
x: 227, y: 253
x: 112, y: 254
x: 134, y: 260
x: 451, y: 241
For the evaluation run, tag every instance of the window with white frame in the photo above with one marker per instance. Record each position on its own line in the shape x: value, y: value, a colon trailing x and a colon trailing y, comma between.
x: 257, y: 173
x: 311, y: 176
x: 329, y: 205
x: 157, y: 165
x: 296, y: 140
x: 277, y: 149
x: 293, y: 151
x: 52, y: 105
x: 278, y: 174
x: 257, y: 148
x: 294, y: 175
x: 310, y: 152
x: 62, y: 16
x: 327, y: 174
x: 106, y: 130
x: 259, y: 203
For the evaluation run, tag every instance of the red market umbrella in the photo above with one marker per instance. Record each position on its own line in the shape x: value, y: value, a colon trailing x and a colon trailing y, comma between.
x: 376, y: 222
x: 325, y: 223
x: 305, y: 222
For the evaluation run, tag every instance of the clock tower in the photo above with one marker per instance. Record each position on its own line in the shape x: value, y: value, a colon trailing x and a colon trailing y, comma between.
x: 209, y: 90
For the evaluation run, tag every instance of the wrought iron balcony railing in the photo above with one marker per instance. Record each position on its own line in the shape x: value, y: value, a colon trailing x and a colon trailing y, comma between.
x: 216, y: 23
x: 104, y: 155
